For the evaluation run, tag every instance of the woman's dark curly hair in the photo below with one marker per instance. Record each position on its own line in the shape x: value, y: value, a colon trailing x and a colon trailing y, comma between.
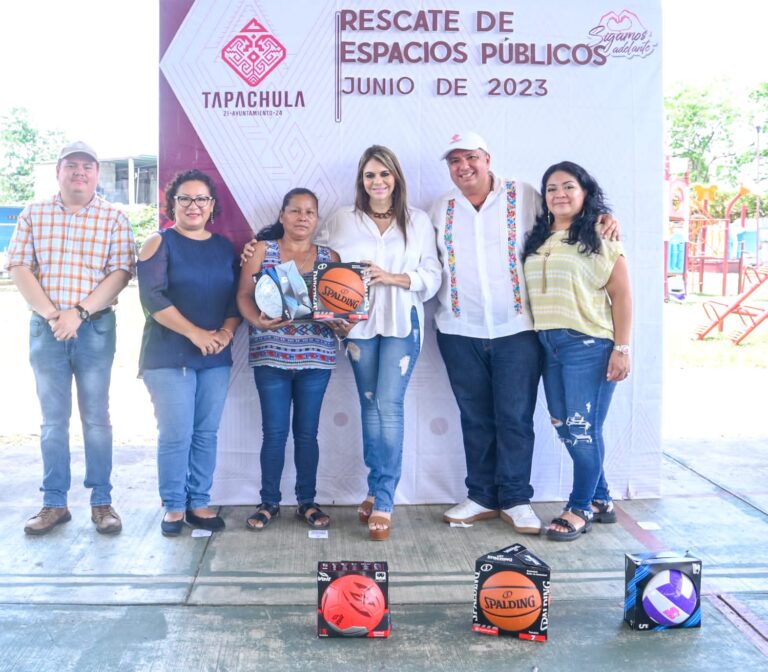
x: 582, y: 230
x: 276, y: 231
x: 189, y: 176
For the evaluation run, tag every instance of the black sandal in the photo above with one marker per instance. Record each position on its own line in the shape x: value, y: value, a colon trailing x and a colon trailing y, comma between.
x: 313, y: 516
x: 573, y: 531
x: 606, y: 512
x: 265, y: 514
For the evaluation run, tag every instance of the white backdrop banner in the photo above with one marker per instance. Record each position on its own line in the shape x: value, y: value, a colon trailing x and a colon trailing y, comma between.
x: 287, y: 94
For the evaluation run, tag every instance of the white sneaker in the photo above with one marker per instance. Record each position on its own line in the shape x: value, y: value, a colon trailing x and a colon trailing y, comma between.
x: 523, y: 518
x: 468, y: 512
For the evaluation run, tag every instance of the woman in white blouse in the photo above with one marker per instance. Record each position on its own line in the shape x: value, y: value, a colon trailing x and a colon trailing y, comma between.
x: 398, y: 245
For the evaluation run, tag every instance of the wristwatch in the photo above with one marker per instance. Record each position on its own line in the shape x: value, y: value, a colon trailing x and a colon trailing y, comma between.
x: 82, y: 312
x: 623, y: 349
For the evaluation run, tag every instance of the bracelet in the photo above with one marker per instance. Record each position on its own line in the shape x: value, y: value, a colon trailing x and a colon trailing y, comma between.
x: 228, y: 331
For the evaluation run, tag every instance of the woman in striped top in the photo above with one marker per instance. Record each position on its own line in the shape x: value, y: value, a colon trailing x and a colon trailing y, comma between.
x: 292, y: 362
x: 578, y: 287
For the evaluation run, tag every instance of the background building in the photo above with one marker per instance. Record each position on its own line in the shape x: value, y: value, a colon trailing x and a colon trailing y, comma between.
x: 128, y: 180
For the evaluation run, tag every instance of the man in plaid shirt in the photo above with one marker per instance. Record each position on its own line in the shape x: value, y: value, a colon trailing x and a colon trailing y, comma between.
x: 70, y: 256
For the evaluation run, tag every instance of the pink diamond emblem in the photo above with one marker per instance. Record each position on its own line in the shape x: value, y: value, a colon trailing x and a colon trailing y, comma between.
x: 253, y: 53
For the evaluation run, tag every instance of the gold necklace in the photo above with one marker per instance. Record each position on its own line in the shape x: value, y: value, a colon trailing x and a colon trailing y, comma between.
x: 550, y: 246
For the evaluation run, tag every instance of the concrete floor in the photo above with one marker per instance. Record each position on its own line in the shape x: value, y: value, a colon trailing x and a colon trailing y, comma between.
x: 239, y: 600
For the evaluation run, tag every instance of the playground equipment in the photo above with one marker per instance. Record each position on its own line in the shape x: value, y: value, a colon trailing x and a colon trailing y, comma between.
x: 751, y: 316
x: 676, y: 265
x: 676, y: 244
x: 697, y: 243
x: 710, y: 238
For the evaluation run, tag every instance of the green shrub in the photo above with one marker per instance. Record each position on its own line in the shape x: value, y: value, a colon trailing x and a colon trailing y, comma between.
x: 144, y: 220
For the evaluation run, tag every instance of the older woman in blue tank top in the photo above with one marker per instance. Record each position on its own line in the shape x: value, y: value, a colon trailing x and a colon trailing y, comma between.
x: 187, y: 284
x: 292, y: 363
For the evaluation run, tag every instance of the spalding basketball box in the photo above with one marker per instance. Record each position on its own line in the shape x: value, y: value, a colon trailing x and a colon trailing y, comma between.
x: 512, y: 588
x: 353, y: 599
x: 339, y: 291
x: 662, y: 591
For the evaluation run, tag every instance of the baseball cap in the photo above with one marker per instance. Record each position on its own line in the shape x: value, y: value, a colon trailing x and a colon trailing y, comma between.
x: 78, y: 147
x: 466, y: 140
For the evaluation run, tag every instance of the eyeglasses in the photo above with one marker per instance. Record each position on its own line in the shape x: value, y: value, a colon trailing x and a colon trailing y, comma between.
x: 200, y: 201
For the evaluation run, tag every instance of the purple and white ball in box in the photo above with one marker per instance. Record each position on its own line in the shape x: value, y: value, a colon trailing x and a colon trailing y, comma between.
x: 669, y: 597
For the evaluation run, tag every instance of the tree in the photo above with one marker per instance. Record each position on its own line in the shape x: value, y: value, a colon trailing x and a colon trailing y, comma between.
x: 21, y: 146
x: 144, y: 221
x: 759, y: 119
x: 759, y: 98
x: 700, y: 127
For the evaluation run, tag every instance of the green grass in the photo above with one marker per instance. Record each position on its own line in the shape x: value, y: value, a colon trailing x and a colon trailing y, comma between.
x: 682, y: 350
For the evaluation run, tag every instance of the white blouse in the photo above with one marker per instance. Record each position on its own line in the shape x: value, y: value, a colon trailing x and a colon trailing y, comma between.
x: 355, y: 237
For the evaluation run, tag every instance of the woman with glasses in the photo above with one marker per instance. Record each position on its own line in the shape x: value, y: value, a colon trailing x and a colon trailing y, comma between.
x: 187, y: 285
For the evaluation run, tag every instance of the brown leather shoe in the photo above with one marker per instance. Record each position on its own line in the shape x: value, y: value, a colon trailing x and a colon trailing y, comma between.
x: 47, y: 518
x: 106, y: 519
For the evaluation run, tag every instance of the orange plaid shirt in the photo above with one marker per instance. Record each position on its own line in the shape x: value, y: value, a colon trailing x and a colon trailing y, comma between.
x: 70, y: 254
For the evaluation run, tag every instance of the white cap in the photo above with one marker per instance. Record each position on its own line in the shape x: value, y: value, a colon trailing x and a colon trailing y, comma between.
x: 78, y: 147
x: 466, y: 140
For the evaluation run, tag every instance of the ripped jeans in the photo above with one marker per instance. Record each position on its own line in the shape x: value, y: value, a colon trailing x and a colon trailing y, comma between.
x: 578, y: 397
x: 382, y: 366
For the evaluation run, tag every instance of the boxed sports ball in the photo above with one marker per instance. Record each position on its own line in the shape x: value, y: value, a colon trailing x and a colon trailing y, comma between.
x: 339, y: 291
x: 281, y: 291
x: 512, y: 589
x: 353, y: 599
x: 662, y: 591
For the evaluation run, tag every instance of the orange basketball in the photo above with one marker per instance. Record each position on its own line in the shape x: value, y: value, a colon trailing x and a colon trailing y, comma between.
x: 340, y: 289
x: 510, y: 600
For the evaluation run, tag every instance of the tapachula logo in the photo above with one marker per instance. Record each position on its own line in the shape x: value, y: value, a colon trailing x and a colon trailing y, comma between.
x: 623, y: 34
x: 253, y: 53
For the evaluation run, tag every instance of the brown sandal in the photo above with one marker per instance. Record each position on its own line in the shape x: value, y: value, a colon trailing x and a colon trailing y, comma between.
x: 376, y: 534
x: 364, y: 511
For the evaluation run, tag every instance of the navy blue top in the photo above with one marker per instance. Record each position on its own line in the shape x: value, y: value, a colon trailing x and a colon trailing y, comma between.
x: 199, y: 278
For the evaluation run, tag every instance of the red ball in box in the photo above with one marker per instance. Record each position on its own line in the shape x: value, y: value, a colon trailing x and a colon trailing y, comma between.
x: 353, y: 605
x: 353, y: 599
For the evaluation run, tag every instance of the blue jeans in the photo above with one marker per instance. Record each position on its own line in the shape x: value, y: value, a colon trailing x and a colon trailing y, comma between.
x: 188, y: 406
x: 578, y: 397
x: 495, y: 382
x: 277, y: 389
x: 382, y: 366
x: 89, y: 359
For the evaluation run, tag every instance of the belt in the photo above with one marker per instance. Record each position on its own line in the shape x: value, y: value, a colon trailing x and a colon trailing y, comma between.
x: 94, y: 316
x: 100, y: 314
